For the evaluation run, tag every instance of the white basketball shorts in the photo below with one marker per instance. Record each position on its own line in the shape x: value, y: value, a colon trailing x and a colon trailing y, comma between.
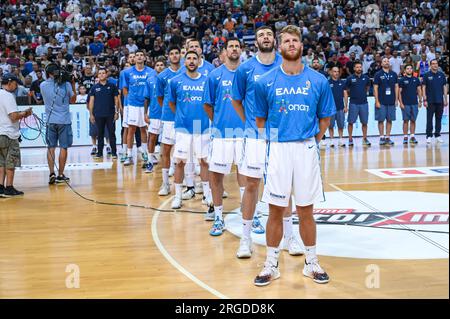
x: 223, y: 153
x: 191, y: 146
x: 254, y: 158
x: 168, y: 133
x: 125, y: 116
x: 154, y: 127
x: 136, y: 116
x: 293, y: 168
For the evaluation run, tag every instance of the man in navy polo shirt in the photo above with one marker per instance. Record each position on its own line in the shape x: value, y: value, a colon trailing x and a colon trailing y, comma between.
x: 340, y: 98
x: 385, y: 91
x: 410, y: 98
x: 104, y: 109
x: 357, y: 85
x: 435, y: 92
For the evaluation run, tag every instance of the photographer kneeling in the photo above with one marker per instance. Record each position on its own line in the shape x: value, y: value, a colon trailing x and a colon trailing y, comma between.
x: 9, y: 135
x: 58, y: 91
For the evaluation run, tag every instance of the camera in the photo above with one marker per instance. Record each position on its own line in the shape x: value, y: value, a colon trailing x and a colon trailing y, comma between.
x: 61, y: 73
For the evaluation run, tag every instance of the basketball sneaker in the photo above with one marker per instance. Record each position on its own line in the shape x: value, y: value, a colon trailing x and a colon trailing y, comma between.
x: 405, y: 140
x: 413, y: 140
x: 267, y: 275
x: 154, y: 159
x: 164, y: 190
x: 108, y: 150
x: 128, y: 161
x: 176, y: 203
x: 144, y: 156
x: 2, y: 190
x: 389, y: 142
x: 217, y: 228
x: 366, y: 142
x: 341, y: 144
x: 94, y: 151
x: 149, y: 168
x: 51, y: 179
x: 245, y: 248
x: 439, y: 139
x: 206, y: 202
x: 62, y: 179
x: 257, y: 227
x: 199, y: 188
x: 350, y: 143
x: 10, y: 191
x: 209, y: 215
x: 294, y: 247
x: 123, y: 157
x: 429, y: 140
x: 315, y: 272
x: 382, y: 141
x: 188, y: 194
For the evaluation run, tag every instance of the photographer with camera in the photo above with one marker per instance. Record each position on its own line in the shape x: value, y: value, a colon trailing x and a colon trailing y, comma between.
x: 58, y: 91
x: 9, y: 135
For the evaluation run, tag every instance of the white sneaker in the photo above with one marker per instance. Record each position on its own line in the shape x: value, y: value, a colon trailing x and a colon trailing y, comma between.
x: 154, y: 159
x: 315, y: 272
x: 128, y: 161
x: 176, y: 203
x: 323, y: 144
x: 164, y: 190
x: 245, y: 248
x: 209, y: 215
x: 171, y: 171
x: 188, y: 194
x: 439, y: 140
x: 341, y: 144
x: 294, y: 247
x: 199, y: 188
x: 267, y: 275
x: 429, y: 139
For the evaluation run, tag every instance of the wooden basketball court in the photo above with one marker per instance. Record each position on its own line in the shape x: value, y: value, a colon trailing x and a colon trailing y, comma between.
x: 127, y: 252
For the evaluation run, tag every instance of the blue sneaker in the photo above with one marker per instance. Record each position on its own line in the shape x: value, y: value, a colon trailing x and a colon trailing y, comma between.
x: 217, y: 228
x: 350, y: 143
x: 382, y: 141
x: 149, y: 167
x: 257, y: 227
x: 123, y: 157
x: 389, y: 142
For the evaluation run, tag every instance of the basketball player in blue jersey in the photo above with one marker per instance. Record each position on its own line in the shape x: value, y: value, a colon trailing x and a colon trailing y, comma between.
x: 340, y: 99
x: 227, y: 131
x: 167, y: 116
x: 294, y: 104
x: 153, y: 116
x: 128, y: 64
x: 191, y: 124
x: 252, y: 165
x: 135, y: 80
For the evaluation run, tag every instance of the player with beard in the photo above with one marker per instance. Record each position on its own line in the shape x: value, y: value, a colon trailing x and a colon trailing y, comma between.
x: 253, y: 163
x: 294, y: 105
x: 135, y: 79
x: 153, y: 116
x: 191, y: 123
x: 167, y: 116
x: 227, y: 130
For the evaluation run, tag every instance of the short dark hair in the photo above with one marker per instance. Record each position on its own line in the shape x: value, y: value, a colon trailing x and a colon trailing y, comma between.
x: 174, y: 47
x: 191, y: 52
x: 264, y: 27
x: 139, y: 51
x: 408, y: 64
x: 161, y: 59
x: 356, y: 63
x: 232, y: 39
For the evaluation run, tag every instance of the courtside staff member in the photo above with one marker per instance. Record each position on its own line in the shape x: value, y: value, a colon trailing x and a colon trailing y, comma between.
x: 9, y: 135
x: 59, y: 123
x: 435, y: 92
x: 104, y: 108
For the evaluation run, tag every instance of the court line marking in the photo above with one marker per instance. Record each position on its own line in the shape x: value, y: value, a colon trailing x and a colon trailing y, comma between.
x: 396, y: 181
x: 171, y: 260
x: 355, y: 198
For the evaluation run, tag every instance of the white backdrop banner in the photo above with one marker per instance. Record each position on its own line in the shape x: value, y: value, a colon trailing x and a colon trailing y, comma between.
x: 80, y: 125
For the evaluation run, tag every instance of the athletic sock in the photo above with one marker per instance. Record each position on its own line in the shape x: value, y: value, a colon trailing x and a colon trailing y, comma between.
x: 143, y: 148
x: 247, y: 228
x: 129, y: 152
x: 287, y: 227
x: 310, y: 253
x: 272, y: 255
x: 165, y: 176
x: 218, y: 210
x: 178, y: 188
x: 241, y: 192
x: 207, y: 191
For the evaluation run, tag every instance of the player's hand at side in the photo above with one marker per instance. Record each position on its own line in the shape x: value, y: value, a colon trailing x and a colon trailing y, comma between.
x: 377, y: 104
x: 147, y: 119
x: 92, y: 119
x: 402, y: 106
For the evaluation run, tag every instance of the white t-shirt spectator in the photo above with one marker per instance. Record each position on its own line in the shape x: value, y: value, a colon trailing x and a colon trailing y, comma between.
x: 5, y: 67
x: 431, y: 56
x: 396, y: 63
x: 357, y: 49
x: 183, y: 15
x: 8, y: 106
x: 417, y: 37
x: 81, y: 98
x: 132, y: 48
